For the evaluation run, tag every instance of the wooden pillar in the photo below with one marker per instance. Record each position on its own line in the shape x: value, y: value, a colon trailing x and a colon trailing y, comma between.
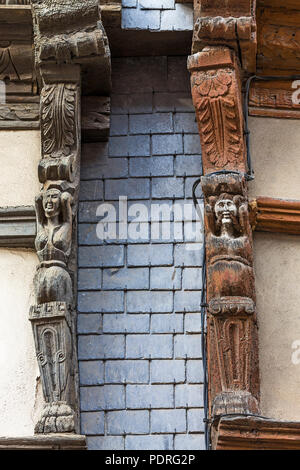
x: 69, y: 43
x: 221, y: 42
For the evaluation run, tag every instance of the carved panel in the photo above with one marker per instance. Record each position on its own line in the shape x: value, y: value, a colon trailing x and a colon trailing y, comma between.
x: 217, y: 99
x: 232, y: 331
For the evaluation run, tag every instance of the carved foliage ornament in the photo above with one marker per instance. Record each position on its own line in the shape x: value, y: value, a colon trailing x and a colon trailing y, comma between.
x: 59, y: 132
x: 218, y: 114
x: 217, y: 99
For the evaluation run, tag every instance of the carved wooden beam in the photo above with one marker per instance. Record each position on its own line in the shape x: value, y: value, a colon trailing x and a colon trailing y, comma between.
x: 70, y: 50
x: 231, y: 23
x: 23, y: 113
x: 254, y: 433
x: 273, y: 99
x: 275, y: 215
x: 47, y: 442
x: 17, y: 226
x: 232, y: 345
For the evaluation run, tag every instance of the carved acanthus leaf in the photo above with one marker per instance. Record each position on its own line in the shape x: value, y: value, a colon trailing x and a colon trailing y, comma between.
x: 58, y: 119
x: 218, y: 117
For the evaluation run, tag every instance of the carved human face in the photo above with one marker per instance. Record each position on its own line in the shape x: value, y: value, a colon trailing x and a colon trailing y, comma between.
x: 51, y: 202
x: 225, y: 211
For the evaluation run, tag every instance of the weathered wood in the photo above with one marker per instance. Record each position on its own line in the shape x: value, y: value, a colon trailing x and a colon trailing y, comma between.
x: 111, y: 12
x: 23, y: 114
x: 275, y: 215
x: 70, y: 49
x: 40, y: 442
x: 278, y: 40
x: 273, y: 99
x: 232, y: 331
x: 19, y: 116
x: 232, y: 337
x: 95, y: 118
x: 231, y: 23
x: 255, y: 433
x: 17, y: 227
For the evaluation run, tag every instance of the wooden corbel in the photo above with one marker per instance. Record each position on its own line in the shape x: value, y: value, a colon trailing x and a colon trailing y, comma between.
x: 71, y: 56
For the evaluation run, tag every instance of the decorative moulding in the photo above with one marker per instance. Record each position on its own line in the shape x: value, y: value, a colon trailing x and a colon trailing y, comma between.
x: 17, y: 227
x: 255, y: 433
x: 275, y: 215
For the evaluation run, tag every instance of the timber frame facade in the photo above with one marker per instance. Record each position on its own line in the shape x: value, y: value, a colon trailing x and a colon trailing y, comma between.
x: 71, y: 65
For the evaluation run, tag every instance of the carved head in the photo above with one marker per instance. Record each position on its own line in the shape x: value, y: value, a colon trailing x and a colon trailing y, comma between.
x: 51, y: 202
x: 227, y: 210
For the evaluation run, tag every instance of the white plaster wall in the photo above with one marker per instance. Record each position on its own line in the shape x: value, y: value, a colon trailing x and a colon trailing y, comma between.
x: 275, y: 145
x: 275, y: 151
x: 277, y: 270
x: 20, y: 392
x: 19, y: 157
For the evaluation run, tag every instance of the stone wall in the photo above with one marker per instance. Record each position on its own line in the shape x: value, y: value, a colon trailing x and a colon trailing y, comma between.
x: 139, y: 298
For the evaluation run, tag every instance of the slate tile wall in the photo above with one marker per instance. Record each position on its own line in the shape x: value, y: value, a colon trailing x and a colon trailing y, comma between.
x: 139, y: 330
x: 157, y: 15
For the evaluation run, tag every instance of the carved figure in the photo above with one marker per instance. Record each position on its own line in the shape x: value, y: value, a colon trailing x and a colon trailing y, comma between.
x: 232, y: 335
x: 229, y: 249
x: 53, y: 245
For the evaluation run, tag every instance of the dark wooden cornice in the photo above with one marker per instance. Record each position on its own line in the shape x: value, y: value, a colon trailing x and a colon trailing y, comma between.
x: 17, y: 227
x: 275, y: 215
x: 255, y: 433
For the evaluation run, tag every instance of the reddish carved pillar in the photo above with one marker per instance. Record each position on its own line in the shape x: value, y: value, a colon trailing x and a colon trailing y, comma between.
x: 233, y: 375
